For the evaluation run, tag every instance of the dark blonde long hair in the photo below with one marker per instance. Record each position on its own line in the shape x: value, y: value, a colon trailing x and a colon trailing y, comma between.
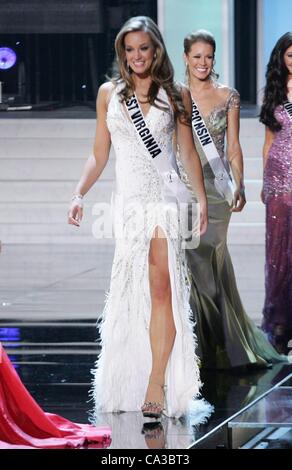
x: 162, y: 73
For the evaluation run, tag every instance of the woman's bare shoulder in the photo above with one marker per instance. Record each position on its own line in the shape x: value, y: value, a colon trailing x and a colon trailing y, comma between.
x: 226, y: 91
x: 106, y: 88
x: 105, y: 92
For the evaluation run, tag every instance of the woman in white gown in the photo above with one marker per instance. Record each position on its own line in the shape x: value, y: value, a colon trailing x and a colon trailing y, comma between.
x: 147, y: 342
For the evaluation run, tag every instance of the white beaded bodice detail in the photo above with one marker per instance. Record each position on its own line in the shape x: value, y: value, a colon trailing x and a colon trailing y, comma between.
x: 136, y: 176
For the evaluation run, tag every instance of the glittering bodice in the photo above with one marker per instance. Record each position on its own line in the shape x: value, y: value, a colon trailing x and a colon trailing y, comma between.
x: 217, y: 122
x: 278, y: 170
x: 136, y: 176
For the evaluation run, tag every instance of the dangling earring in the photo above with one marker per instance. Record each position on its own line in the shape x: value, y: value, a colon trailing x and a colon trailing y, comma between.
x: 214, y: 75
x: 187, y: 72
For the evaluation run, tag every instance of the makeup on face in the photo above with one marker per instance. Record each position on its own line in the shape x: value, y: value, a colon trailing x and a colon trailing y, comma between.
x: 200, y: 60
x: 139, y: 51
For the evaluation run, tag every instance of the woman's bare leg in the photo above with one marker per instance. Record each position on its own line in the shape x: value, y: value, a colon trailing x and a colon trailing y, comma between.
x: 162, y: 327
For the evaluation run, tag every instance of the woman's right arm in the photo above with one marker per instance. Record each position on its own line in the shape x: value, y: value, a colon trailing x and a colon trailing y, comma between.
x: 97, y: 161
x: 269, y: 138
x: 191, y: 161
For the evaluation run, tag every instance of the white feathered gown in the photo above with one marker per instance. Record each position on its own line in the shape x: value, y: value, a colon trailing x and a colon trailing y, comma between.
x: 123, y: 367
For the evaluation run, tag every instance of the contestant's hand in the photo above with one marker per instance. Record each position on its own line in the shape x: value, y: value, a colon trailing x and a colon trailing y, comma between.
x: 75, y: 214
x: 203, y: 218
x: 239, y: 200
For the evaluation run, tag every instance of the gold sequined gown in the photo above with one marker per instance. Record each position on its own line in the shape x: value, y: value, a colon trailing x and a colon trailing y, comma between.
x: 226, y: 335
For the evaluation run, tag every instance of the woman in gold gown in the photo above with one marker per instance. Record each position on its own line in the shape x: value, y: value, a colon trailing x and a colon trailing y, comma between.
x: 226, y: 336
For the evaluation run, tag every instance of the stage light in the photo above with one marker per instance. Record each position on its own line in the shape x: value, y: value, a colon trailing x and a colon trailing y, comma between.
x: 7, y: 58
x: 10, y: 334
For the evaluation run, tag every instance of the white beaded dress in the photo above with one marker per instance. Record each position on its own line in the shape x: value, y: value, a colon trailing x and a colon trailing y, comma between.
x: 123, y: 366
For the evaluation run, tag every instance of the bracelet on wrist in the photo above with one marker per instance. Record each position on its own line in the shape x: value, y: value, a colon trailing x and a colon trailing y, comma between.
x: 78, y: 198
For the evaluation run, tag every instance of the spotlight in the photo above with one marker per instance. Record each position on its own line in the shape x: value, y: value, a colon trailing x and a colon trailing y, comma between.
x: 7, y: 58
x: 12, y: 79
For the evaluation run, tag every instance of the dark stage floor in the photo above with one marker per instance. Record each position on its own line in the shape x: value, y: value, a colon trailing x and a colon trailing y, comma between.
x: 54, y: 360
x: 50, y: 297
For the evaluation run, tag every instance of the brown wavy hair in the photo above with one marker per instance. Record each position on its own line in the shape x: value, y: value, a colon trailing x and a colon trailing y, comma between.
x: 162, y: 73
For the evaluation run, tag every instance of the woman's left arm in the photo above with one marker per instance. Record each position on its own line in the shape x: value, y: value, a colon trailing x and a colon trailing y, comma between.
x: 235, y: 158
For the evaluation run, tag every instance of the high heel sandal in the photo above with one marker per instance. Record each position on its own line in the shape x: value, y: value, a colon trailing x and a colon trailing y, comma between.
x: 152, y: 430
x: 152, y: 409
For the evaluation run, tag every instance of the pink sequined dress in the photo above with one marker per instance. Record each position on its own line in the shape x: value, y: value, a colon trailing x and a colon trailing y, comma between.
x: 277, y: 321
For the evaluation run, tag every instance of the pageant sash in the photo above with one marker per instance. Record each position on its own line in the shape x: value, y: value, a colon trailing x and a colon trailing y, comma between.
x: 288, y: 108
x: 165, y: 165
x: 223, y: 181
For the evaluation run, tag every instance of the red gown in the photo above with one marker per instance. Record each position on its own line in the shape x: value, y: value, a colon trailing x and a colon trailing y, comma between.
x: 24, y: 424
